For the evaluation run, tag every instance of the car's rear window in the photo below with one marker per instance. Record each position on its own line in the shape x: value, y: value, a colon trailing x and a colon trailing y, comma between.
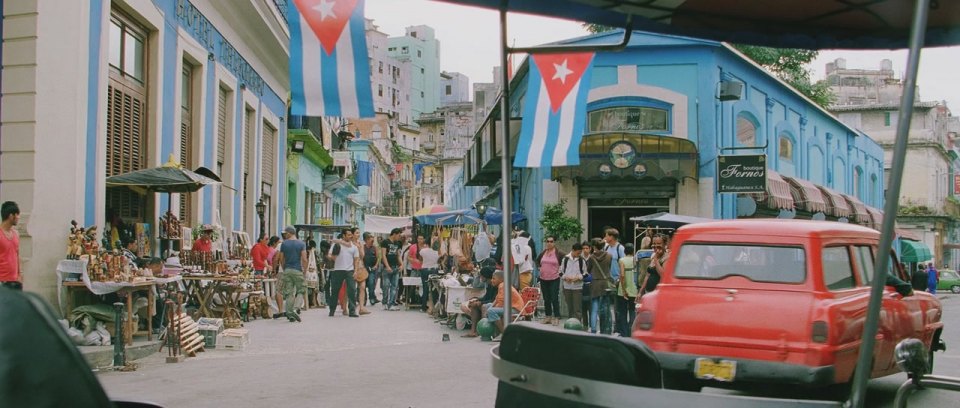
x: 759, y: 263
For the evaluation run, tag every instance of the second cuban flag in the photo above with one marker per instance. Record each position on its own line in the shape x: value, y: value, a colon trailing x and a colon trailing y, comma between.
x: 554, y: 113
x: 329, y: 68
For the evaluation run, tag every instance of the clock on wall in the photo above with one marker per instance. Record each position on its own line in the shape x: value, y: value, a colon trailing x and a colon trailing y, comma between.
x: 622, y: 154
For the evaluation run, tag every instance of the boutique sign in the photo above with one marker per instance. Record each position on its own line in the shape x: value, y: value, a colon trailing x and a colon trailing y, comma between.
x: 742, y: 173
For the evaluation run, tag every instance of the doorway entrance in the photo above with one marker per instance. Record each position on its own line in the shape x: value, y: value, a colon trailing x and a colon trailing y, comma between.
x: 600, y: 218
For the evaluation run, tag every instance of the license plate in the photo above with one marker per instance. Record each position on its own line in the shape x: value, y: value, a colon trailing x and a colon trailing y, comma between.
x: 708, y: 369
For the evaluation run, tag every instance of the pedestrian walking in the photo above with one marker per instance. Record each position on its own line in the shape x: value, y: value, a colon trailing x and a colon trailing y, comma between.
x: 611, y: 239
x: 412, y: 256
x: 549, y: 263
x: 373, y: 261
x: 390, y: 250
x: 10, y: 271
x: 313, y: 276
x: 601, y: 290
x: 933, y: 278
x: 585, y: 297
x: 293, y: 260
x: 660, y: 256
x: 259, y: 254
x: 346, y: 257
x: 626, y: 292
x: 429, y: 260
x: 572, y: 272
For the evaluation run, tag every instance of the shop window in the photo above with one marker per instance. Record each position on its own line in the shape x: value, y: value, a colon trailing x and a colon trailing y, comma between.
x: 746, y: 130
x: 786, y: 147
x: 126, y: 139
x: 630, y: 119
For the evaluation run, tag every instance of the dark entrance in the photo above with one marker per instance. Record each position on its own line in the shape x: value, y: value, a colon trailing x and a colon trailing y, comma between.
x: 616, y: 217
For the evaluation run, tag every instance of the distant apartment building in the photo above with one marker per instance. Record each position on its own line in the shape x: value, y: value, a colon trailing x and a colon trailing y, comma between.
x: 420, y: 48
x: 869, y: 100
x: 454, y: 88
x: 390, y: 78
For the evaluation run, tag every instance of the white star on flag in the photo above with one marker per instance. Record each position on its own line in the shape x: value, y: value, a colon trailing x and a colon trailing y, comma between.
x: 562, y: 72
x: 326, y: 9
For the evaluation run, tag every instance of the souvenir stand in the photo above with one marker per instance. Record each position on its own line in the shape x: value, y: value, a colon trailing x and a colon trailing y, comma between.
x: 459, y: 276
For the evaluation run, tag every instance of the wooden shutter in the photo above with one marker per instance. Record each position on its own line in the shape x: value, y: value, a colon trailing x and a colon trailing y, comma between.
x: 125, y: 144
x: 221, y: 129
x: 269, y: 138
x: 247, y: 153
x: 186, y: 139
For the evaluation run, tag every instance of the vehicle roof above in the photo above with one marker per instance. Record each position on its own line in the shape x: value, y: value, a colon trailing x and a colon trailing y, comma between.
x: 778, y: 227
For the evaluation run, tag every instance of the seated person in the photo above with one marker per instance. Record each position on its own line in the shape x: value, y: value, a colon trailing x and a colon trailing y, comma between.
x: 476, y: 307
x: 903, y: 288
x: 494, y: 311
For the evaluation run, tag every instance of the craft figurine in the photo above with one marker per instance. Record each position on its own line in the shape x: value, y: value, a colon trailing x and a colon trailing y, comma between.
x: 169, y: 226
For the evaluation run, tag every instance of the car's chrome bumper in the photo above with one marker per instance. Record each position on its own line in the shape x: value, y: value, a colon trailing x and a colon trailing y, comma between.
x: 752, y: 371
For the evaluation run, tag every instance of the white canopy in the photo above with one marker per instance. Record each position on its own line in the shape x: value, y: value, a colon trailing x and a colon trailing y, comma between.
x: 381, y: 224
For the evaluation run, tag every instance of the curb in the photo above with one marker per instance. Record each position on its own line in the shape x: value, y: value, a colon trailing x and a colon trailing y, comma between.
x: 102, y: 356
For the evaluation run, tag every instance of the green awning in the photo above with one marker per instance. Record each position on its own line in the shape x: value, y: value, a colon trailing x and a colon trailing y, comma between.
x: 914, y: 251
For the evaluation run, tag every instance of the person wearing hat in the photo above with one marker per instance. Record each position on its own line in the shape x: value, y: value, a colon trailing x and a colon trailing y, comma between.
x: 292, y: 258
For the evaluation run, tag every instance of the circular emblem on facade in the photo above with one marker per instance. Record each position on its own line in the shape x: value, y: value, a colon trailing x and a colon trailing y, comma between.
x: 604, y: 170
x: 622, y: 154
x: 639, y: 170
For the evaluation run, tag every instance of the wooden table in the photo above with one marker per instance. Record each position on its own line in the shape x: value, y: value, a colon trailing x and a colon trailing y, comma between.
x: 125, y: 291
x: 226, y: 289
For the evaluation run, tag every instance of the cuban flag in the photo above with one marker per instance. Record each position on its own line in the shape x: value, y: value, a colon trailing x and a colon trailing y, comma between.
x: 554, y: 114
x: 329, y: 67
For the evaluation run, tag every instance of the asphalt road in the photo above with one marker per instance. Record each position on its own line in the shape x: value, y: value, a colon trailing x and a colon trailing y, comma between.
x: 387, y: 359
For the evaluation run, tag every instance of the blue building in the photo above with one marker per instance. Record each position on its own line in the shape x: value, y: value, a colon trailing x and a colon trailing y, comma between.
x: 661, y: 114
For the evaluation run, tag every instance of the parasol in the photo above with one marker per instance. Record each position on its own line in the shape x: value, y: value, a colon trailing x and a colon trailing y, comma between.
x: 169, y: 178
x: 433, y: 209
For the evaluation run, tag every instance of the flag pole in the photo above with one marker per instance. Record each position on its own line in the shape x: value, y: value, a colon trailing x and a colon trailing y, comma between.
x: 506, y: 166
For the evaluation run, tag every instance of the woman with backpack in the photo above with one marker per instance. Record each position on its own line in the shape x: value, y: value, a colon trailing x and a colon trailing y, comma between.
x: 549, y: 263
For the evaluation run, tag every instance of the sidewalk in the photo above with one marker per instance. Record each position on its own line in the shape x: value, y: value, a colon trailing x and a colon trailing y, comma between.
x: 385, y: 359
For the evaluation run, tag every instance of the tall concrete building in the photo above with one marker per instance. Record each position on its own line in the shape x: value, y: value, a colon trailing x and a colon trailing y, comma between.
x: 454, y: 88
x: 421, y: 49
x: 390, y: 77
x: 869, y: 100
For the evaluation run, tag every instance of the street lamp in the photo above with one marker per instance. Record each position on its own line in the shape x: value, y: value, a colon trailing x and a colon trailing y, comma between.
x: 261, y: 209
x: 481, y: 210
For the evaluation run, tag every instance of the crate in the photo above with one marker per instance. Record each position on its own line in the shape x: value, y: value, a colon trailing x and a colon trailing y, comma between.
x: 233, y: 339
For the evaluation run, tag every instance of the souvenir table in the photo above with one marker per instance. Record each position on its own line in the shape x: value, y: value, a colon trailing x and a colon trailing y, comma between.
x: 123, y: 289
x: 211, y: 292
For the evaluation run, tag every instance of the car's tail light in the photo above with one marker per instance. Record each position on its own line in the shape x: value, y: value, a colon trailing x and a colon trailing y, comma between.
x: 820, y: 331
x: 644, y: 320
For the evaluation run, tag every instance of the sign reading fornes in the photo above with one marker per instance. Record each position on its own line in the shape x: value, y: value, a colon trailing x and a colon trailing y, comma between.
x: 742, y: 173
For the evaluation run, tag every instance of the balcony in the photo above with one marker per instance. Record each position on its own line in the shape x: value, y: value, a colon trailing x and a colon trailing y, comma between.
x: 482, y: 160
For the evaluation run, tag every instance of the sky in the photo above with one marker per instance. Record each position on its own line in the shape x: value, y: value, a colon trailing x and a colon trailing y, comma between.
x: 470, y: 40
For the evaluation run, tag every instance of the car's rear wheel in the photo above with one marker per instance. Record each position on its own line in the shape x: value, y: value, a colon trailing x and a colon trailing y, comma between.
x: 955, y: 288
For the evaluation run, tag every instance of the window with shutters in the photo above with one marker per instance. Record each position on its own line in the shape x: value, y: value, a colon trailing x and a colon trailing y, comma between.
x: 248, y: 132
x: 126, y: 138
x: 268, y: 159
x: 221, y: 144
x: 186, y: 137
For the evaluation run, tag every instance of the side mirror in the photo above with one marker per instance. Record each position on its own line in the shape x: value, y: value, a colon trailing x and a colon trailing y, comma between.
x: 911, y: 357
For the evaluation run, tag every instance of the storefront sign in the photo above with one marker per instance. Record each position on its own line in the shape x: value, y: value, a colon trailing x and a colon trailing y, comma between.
x: 630, y: 202
x: 742, y: 174
x: 341, y: 159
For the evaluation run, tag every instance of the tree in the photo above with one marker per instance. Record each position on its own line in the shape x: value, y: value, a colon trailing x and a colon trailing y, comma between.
x: 789, y: 64
x: 556, y: 223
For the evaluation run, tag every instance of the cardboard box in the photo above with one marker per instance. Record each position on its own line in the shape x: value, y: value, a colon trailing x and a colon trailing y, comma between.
x: 233, y: 339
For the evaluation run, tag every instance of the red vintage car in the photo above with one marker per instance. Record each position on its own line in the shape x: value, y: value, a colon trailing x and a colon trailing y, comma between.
x: 748, y: 302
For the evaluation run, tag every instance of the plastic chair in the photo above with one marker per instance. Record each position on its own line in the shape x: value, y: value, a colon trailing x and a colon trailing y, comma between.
x: 531, y: 298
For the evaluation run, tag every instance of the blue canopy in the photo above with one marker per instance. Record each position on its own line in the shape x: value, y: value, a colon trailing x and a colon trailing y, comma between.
x: 466, y: 217
x: 822, y: 24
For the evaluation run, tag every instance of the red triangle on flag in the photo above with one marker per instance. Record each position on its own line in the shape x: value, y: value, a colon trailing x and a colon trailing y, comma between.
x: 560, y: 72
x: 326, y: 18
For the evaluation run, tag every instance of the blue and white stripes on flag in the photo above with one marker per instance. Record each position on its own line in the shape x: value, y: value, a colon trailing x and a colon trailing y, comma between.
x: 329, y: 67
x: 554, y: 113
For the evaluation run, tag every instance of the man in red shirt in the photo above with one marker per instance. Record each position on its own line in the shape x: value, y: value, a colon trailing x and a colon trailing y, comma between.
x: 10, y: 247
x: 205, y: 242
x: 259, y: 254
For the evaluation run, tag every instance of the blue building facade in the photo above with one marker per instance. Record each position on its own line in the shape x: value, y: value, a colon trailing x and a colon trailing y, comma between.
x: 661, y: 114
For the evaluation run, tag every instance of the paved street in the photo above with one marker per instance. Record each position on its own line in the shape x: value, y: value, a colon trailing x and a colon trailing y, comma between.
x: 386, y: 359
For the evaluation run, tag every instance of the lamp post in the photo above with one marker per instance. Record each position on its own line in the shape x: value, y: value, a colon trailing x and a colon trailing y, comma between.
x: 481, y: 210
x: 261, y: 209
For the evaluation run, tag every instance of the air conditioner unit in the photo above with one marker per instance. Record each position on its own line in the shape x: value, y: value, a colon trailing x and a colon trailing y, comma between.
x: 731, y: 91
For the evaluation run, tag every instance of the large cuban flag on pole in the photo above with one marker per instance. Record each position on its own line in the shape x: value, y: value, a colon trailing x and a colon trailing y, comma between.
x: 554, y: 113
x: 329, y: 68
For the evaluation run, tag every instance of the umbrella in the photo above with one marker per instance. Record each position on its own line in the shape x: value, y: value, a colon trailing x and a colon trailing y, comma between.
x: 169, y: 178
x: 433, y: 209
x: 667, y: 220
x: 495, y: 216
x: 459, y: 219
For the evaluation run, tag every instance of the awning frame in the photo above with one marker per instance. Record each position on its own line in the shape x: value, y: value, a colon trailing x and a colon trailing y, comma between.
x: 837, y: 206
x: 806, y: 195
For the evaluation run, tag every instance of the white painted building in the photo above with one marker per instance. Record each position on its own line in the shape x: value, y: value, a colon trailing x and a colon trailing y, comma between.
x: 454, y: 88
x: 99, y: 87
